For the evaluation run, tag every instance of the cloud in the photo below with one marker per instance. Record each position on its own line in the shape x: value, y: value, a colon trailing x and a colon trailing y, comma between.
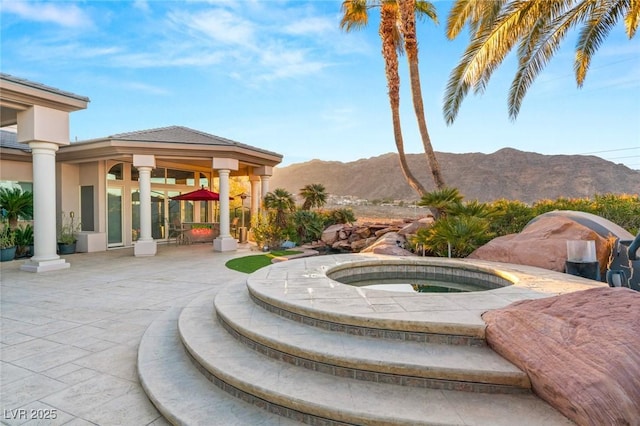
x: 145, y: 88
x: 142, y: 5
x: 218, y: 24
x: 310, y: 26
x: 63, y: 14
x: 340, y: 118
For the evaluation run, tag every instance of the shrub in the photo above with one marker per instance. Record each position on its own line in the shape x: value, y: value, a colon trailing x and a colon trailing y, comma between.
x: 334, y: 216
x: 463, y: 234
x: 308, y: 226
x: 266, y: 230
x: 510, y: 217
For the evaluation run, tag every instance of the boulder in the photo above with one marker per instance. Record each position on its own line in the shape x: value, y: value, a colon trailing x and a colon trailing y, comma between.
x: 413, y: 227
x: 330, y: 234
x: 380, y: 232
x: 581, y: 351
x: 362, y: 232
x: 390, y: 243
x: 542, y: 243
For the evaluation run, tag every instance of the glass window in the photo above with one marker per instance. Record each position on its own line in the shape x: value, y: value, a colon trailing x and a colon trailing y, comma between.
x: 204, y: 180
x: 114, y: 216
x: 11, y: 184
x: 158, y: 175
x: 180, y: 177
x: 115, y: 172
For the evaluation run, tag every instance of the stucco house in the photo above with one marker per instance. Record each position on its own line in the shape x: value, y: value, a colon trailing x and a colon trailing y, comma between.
x: 119, y: 185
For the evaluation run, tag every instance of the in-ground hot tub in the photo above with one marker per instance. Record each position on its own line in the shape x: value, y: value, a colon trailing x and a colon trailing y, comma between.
x: 399, y: 275
x: 311, y: 290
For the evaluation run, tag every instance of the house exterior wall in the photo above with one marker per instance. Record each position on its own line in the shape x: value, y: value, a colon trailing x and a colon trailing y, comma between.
x: 16, y: 171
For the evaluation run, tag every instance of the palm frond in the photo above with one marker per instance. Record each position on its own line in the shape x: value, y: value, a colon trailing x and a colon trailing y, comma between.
x: 603, y: 17
x: 632, y: 18
x: 426, y: 9
x: 355, y: 15
x: 483, y: 56
x: 539, y: 47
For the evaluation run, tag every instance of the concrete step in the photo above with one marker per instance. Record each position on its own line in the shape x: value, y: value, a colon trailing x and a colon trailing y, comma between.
x: 318, y: 398
x: 181, y: 392
x: 419, y: 364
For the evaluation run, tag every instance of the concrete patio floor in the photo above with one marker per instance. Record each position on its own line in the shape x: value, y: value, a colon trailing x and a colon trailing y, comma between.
x: 69, y: 338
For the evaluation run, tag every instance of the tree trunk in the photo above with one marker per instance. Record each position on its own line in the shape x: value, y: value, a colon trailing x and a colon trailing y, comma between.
x: 390, y: 56
x: 408, y: 27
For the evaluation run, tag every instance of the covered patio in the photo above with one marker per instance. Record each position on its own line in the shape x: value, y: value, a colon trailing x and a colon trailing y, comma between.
x: 119, y: 186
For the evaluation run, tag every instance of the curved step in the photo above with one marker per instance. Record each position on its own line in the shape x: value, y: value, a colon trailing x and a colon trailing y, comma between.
x: 438, y: 366
x: 180, y: 392
x: 293, y: 391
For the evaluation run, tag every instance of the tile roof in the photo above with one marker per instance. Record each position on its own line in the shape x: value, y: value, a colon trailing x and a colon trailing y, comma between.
x: 9, y: 140
x: 179, y: 134
x: 41, y: 86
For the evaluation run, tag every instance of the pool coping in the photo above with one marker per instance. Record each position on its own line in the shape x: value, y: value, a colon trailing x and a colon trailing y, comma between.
x: 300, y: 289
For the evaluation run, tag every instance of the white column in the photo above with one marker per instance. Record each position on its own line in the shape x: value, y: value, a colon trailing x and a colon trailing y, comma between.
x: 264, y: 179
x: 44, y: 210
x: 146, y: 245
x: 224, y: 242
x: 255, y: 195
x: 265, y: 173
x: 225, y: 230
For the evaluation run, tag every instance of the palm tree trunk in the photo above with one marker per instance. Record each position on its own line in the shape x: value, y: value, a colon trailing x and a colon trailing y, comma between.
x: 390, y: 56
x: 408, y: 27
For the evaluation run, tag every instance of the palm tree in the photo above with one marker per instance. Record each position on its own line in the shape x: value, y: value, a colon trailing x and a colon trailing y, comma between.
x: 356, y: 16
x: 537, y: 28
x: 441, y: 201
x: 282, y: 202
x: 17, y: 204
x: 408, y: 10
x: 314, y: 195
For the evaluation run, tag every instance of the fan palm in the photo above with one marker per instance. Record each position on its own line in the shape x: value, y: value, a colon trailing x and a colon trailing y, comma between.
x: 391, y: 33
x: 537, y: 28
x: 314, y: 195
x: 441, y: 200
x: 281, y: 201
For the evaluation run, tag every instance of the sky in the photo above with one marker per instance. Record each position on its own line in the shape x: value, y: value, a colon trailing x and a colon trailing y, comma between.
x: 282, y: 76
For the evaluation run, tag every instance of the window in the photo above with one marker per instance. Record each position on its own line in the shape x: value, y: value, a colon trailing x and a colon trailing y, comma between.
x: 180, y: 177
x: 115, y: 172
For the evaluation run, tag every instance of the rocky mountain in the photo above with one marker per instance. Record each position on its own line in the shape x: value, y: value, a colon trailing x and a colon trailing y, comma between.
x: 507, y: 173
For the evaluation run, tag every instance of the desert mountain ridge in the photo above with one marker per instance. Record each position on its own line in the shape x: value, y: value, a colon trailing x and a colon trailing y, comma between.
x: 507, y: 173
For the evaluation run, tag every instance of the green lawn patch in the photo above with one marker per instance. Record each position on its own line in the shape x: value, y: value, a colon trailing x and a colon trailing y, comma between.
x: 249, y: 264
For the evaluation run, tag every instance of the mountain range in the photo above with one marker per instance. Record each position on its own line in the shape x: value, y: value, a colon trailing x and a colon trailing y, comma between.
x: 507, y: 173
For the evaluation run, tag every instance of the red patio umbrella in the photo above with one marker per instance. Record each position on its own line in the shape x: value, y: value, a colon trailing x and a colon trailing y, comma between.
x: 201, y: 194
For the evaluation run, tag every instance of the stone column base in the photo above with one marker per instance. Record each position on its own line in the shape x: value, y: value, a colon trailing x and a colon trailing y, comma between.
x: 225, y: 244
x: 145, y: 248
x: 44, y: 265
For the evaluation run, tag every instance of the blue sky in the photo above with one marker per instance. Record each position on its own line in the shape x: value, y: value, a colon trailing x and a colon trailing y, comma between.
x: 282, y: 76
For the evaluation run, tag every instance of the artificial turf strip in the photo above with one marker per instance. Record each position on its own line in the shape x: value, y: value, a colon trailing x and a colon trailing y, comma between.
x: 249, y: 264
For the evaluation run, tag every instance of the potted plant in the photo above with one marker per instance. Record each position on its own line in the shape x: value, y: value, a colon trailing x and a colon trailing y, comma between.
x: 7, y: 241
x: 24, y: 240
x: 67, y: 235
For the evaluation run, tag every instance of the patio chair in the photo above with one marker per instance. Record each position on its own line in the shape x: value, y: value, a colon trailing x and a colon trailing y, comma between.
x: 178, y: 232
x: 234, y: 227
